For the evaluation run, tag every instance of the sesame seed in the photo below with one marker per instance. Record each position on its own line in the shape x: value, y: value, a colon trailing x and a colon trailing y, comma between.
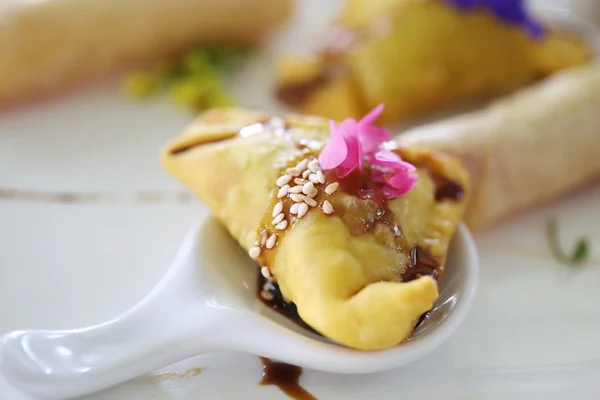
x: 306, y: 174
x: 284, y: 179
x: 309, y: 201
x: 268, y: 296
x: 297, y: 197
x: 295, y: 208
x: 283, y: 191
x: 264, y: 235
x: 296, y: 189
x: 293, y: 171
x: 320, y: 177
x: 302, y: 210
x: 272, y: 241
x: 278, y: 219
x: 331, y: 188
x: 277, y: 209
x: 282, y: 225
x: 254, y: 252
x: 302, y: 164
x: 327, y: 207
x: 265, y: 272
x: 313, y: 166
x: 308, y: 188
x: 313, y: 194
x: 313, y: 178
x: 300, y: 181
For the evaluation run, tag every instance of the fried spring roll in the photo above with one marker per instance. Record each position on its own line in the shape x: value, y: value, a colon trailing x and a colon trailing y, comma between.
x: 360, y: 269
x: 525, y: 149
x: 47, y: 45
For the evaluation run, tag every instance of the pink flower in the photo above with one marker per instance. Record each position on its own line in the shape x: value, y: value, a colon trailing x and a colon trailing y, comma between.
x: 351, y: 142
x: 397, y: 175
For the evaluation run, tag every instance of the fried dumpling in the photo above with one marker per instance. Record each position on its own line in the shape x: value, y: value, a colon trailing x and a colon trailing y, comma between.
x: 419, y: 57
x: 361, y: 269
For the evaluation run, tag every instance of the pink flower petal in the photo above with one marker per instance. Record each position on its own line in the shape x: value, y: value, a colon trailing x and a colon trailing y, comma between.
x: 336, y: 150
x: 372, y: 116
x: 354, y: 157
x: 387, y: 158
x: 372, y: 136
x: 402, y: 182
x: 401, y: 177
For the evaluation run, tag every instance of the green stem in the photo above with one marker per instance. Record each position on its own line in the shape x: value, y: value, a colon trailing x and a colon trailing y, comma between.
x: 578, y: 256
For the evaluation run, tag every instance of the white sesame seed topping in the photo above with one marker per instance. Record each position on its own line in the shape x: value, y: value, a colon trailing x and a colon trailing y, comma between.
x: 309, y: 201
x: 264, y: 235
x: 327, y: 207
x: 272, y: 241
x: 306, y: 174
x: 268, y: 296
x: 313, y: 178
x: 265, y: 272
x: 296, y: 189
x: 314, y: 166
x: 278, y: 219
x: 295, y: 208
x: 302, y: 210
x: 308, y: 188
x: 302, y: 164
x: 283, y: 180
x: 313, y: 194
x: 283, y: 191
x: 331, y: 188
x: 277, y: 209
x: 300, y: 181
x: 293, y: 171
x: 282, y: 225
x: 320, y: 177
x: 297, y: 197
x: 254, y: 252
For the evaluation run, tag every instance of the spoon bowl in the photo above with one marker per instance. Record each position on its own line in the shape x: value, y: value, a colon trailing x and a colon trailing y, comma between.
x: 207, y: 302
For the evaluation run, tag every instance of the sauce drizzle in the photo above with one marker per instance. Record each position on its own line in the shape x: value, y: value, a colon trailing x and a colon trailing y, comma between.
x: 279, y: 304
x: 448, y: 190
x: 286, y: 377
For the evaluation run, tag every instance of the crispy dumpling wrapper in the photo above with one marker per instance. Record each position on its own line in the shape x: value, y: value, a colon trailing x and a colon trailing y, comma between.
x: 526, y: 149
x: 361, y: 275
x: 419, y: 57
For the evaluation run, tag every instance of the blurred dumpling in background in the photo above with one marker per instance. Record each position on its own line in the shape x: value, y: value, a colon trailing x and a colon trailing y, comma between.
x: 47, y: 45
x: 418, y: 56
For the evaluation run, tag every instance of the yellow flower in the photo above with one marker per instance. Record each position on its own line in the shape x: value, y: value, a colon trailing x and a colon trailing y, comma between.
x: 140, y: 85
x: 186, y: 93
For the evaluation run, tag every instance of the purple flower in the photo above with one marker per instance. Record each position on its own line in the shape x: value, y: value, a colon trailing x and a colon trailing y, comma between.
x: 512, y: 12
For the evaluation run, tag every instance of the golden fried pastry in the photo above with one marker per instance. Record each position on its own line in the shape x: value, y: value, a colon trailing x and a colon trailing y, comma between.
x: 47, y: 45
x: 524, y: 149
x: 360, y: 265
x: 419, y: 56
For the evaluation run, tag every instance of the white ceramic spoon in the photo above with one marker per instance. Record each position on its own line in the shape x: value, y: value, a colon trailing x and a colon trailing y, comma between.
x: 207, y: 302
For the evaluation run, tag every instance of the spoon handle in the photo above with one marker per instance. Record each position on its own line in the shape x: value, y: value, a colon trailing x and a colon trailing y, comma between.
x: 172, y: 323
x: 63, y: 364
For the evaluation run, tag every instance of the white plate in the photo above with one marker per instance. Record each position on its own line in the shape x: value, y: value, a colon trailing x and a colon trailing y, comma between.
x: 534, y: 331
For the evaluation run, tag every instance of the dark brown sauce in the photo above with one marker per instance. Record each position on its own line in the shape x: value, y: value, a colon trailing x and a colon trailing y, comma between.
x: 199, y: 142
x: 295, y: 94
x: 288, y: 310
x: 286, y: 377
x: 448, y: 190
x: 421, y: 264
